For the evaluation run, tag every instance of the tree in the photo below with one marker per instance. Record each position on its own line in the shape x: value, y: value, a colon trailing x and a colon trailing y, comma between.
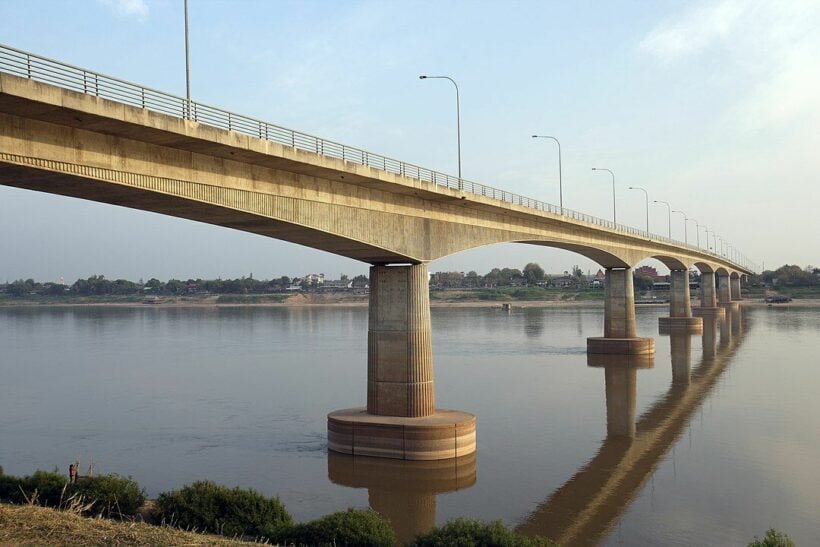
x: 644, y: 283
x: 533, y: 274
x: 577, y: 272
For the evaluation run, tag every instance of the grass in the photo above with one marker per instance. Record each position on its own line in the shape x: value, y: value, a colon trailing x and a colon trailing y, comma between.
x: 32, y: 525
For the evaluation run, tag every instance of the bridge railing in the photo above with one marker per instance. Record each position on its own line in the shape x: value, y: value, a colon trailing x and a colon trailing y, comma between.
x: 43, y: 69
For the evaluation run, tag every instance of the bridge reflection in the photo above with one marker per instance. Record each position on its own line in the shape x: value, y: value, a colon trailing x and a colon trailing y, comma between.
x: 582, y: 511
x: 403, y: 491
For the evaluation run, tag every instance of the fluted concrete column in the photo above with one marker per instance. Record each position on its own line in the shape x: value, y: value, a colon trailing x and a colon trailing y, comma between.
x: 735, y: 288
x: 708, y: 295
x: 619, y: 306
x: 399, y: 343
x: 620, y: 330
x: 680, y: 305
x: 724, y: 292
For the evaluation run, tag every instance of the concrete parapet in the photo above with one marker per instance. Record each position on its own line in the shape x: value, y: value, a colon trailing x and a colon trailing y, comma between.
x: 620, y: 346
x: 442, y: 435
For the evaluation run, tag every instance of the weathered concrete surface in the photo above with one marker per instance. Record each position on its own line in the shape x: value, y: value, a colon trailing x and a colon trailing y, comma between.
x: 443, y: 435
x: 708, y: 297
x: 63, y: 142
x: 399, y: 343
x: 680, y: 305
x: 620, y: 331
x: 734, y: 285
x: 724, y: 292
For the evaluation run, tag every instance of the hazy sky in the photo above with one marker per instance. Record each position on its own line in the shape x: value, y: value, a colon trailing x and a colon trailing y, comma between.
x: 712, y: 106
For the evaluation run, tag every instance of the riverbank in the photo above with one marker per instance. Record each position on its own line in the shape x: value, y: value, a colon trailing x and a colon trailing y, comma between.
x: 438, y: 299
x: 33, y: 525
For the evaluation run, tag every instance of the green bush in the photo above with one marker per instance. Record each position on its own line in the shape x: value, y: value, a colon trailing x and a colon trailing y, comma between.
x: 113, y: 495
x: 209, y: 507
x: 773, y: 538
x: 9, y: 489
x: 44, y: 487
x: 351, y: 527
x: 468, y: 532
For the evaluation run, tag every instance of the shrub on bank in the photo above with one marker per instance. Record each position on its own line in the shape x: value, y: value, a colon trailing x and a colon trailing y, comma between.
x: 113, y: 495
x: 351, y: 527
x: 46, y: 488
x: 209, y: 507
x: 466, y: 532
x: 773, y: 538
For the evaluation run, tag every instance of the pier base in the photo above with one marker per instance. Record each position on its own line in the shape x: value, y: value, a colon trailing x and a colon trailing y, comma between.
x: 442, y: 435
x: 620, y: 346
x: 692, y: 325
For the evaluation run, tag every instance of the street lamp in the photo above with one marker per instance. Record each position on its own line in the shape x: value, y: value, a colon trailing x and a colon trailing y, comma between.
x: 685, y: 220
x: 707, y: 239
x: 646, y: 196
x: 697, y: 231
x: 668, y: 215
x: 613, y: 190
x: 458, y: 122
x: 560, y: 182
x: 187, y: 67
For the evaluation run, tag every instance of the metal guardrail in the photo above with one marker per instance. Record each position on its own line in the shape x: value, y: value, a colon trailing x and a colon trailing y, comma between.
x: 43, y: 69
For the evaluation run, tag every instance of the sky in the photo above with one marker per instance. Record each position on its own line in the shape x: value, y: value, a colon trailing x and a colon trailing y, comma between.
x: 712, y: 106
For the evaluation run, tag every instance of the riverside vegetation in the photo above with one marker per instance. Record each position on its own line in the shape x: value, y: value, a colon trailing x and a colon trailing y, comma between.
x: 229, y: 515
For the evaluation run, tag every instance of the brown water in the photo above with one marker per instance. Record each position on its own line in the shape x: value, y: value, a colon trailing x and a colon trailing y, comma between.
x: 714, y: 442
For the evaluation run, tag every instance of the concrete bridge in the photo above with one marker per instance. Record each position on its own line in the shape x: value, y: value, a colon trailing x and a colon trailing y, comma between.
x: 69, y: 131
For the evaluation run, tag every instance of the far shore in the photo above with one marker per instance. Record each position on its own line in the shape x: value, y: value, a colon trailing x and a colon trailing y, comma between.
x: 359, y: 301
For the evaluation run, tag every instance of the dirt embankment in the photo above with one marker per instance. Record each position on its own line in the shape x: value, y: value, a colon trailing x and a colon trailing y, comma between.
x: 32, y: 525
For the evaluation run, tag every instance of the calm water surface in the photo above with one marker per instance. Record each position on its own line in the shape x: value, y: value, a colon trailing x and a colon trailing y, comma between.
x: 713, y: 443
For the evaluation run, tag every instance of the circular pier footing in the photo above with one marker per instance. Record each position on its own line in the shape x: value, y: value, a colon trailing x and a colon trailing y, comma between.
x: 620, y: 346
x: 735, y: 304
x: 708, y: 312
x: 643, y: 360
x: 445, y: 434
x: 692, y: 325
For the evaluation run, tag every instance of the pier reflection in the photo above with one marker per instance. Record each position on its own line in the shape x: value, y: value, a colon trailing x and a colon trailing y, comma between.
x: 403, y: 491
x: 582, y: 511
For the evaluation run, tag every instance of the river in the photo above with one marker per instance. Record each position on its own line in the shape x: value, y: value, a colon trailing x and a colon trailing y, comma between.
x: 719, y: 441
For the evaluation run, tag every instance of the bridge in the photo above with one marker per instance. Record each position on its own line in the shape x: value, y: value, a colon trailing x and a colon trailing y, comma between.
x: 70, y: 131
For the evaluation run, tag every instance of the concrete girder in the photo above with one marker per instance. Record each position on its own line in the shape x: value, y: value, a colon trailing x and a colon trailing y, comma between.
x: 63, y: 142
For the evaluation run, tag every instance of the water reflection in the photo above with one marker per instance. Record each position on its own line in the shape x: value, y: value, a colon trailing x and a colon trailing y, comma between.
x: 403, y: 491
x: 582, y: 511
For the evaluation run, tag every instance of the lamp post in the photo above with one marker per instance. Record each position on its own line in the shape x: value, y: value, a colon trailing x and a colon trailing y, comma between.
x: 614, y: 219
x: 560, y: 182
x: 707, y: 238
x: 685, y: 220
x: 668, y: 215
x: 458, y: 122
x: 719, y: 249
x: 697, y: 231
x: 646, y: 196
x: 187, y: 67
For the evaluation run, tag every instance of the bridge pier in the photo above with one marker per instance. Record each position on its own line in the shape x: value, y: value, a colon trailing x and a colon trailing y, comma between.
x: 734, y: 286
x: 620, y: 331
x: 680, y: 305
x: 708, y: 297
x: 400, y: 420
x: 725, y: 291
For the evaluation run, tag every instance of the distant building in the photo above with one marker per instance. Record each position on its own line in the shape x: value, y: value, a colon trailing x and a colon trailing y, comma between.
x: 646, y: 271
x: 599, y: 280
x: 337, y: 285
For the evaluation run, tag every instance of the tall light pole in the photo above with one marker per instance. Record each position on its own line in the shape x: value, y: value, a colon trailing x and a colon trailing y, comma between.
x: 697, y: 231
x: 560, y: 182
x: 458, y: 122
x: 707, y: 238
x: 614, y: 219
x: 685, y: 220
x: 668, y: 215
x: 646, y: 196
x: 719, y: 249
x: 187, y: 66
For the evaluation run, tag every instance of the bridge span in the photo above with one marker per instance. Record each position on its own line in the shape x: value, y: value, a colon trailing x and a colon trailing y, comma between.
x: 73, y: 132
